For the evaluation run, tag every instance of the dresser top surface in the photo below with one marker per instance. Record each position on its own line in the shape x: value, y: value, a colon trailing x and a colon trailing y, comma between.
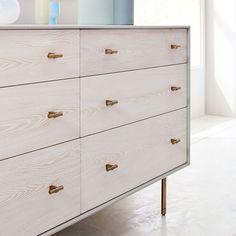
x: 90, y: 27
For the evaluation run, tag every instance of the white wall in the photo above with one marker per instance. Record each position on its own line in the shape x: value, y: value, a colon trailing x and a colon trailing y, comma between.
x: 197, y: 92
x: 198, y: 73
x: 221, y: 57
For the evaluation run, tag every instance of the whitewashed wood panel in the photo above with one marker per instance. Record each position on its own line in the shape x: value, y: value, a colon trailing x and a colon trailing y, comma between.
x: 24, y: 123
x: 27, y: 209
x: 137, y: 48
x: 23, y: 55
x: 140, y: 94
x: 142, y: 151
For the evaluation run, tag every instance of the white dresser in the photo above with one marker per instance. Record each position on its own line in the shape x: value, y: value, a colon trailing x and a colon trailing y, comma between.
x: 89, y: 115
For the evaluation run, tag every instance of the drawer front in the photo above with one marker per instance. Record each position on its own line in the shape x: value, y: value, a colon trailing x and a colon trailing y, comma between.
x: 25, y: 122
x: 140, y: 94
x: 142, y: 151
x: 119, y: 50
x: 24, y: 55
x: 26, y: 206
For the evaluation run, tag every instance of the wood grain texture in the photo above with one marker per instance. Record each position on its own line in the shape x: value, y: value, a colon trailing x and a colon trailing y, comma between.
x: 142, y: 151
x: 141, y: 94
x: 23, y: 57
x: 24, y: 123
x: 136, y: 49
x: 27, y: 209
x: 107, y: 204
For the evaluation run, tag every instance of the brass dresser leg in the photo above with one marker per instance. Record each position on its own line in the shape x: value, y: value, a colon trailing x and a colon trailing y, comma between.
x: 163, y: 196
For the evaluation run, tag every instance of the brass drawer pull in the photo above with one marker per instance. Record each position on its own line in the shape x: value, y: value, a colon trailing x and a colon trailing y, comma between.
x: 110, y: 167
x: 175, y: 141
x: 110, y: 51
x: 54, y: 189
x: 54, y: 55
x: 53, y: 114
x: 175, y: 88
x: 175, y: 46
x: 110, y: 103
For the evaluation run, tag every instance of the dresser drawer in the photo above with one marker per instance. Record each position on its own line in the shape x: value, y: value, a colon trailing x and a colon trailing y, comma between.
x: 27, y: 208
x: 140, y: 94
x: 26, y: 121
x: 24, y: 55
x: 142, y: 151
x: 105, y: 51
